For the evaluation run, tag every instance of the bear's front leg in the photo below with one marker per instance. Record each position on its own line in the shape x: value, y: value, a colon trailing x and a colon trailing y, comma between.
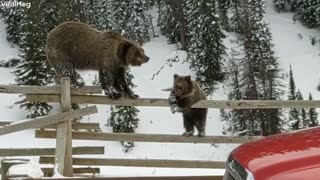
x: 121, y: 82
x: 107, y: 79
x: 173, y: 102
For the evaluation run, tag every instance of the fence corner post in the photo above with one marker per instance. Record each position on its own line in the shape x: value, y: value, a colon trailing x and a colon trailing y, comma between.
x: 63, y: 153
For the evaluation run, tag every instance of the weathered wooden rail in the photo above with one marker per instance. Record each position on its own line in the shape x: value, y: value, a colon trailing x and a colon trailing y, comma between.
x: 140, y: 162
x: 76, y: 126
x: 168, y: 138
x: 218, y: 104
x: 49, y: 151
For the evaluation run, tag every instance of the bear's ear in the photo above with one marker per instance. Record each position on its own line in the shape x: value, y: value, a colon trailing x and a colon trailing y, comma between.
x: 188, y: 78
x: 123, y: 51
x: 175, y: 76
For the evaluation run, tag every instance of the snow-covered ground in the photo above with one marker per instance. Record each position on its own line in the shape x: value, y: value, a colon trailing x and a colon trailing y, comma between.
x: 293, y: 46
x: 150, y: 79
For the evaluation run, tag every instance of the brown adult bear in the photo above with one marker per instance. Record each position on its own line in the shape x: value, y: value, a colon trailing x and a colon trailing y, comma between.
x: 75, y: 45
x: 184, y: 94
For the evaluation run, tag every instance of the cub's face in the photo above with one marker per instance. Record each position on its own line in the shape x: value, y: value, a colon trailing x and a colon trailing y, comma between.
x: 182, y: 85
x: 136, y: 56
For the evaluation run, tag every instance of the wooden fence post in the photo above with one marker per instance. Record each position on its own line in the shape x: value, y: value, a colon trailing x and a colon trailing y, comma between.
x: 63, y: 154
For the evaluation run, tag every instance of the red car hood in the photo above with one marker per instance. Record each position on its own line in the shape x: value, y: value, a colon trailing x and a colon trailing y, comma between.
x: 284, y: 156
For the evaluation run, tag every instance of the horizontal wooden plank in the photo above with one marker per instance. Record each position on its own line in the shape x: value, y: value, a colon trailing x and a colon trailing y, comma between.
x: 86, y: 170
x: 140, y: 162
x: 43, y: 121
x: 146, y: 178
x: 77, y: 126
x: 49, y: 151
x: 15, y: 89
x: 220, y: 104
x: 99, y: 136
x: 5, y: 123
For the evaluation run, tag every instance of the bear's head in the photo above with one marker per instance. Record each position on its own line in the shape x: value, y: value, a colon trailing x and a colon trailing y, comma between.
x: 182, y: 85
x: 133, y: 54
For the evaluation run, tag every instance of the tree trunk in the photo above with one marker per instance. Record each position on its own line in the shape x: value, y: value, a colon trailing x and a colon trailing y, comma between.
x: 177, y: 10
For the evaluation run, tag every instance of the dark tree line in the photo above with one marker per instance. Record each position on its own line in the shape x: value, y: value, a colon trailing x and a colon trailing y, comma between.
x: 307, y: 11
x: 254, y: 71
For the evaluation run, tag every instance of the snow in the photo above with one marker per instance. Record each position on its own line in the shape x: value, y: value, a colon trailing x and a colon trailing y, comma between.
x: 30, y: 169
x: 156, y: 75
x: 293, y: 46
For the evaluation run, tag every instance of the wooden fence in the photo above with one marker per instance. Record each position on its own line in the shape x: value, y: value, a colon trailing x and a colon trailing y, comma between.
x: 61, y: 128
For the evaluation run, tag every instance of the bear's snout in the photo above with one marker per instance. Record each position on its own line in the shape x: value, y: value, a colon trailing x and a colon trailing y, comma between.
x: 146, y: 59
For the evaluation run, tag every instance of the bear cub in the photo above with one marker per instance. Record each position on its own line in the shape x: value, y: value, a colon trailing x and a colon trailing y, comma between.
x: 184, y: 94
x: 75, y: 45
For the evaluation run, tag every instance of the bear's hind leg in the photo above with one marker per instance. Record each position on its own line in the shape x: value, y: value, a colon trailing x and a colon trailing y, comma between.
x: 107, y: 82
x: 188, y: 125
x: 67, y: 70
x: 200, y: 121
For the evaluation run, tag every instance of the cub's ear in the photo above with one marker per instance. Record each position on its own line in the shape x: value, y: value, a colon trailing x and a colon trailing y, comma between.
x: 175, y: 76
x: 123, y: 51
x: 188, y: 78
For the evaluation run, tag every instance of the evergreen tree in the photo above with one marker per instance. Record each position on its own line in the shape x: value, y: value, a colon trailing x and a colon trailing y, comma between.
x: 99, y: 14
x: 124, y: 118
x: 206, y: 47
x: 130, y: 17
x: 33, y: 70
x: 309, y: 13
x: 312, y: 115
x: 260, y: 77
x: 167, y: 22
x: 294, y: 114
x: 13, y: 17
x: 223, y: 6
x: 303, y: 121
x: 236, y: 122
x: 173, y: 22
x: 286, y: 5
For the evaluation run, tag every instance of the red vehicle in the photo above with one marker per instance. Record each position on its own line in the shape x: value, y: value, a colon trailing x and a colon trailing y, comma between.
x: 289, y: 156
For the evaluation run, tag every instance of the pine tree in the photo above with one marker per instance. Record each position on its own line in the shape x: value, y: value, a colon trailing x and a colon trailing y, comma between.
x: 99, y: 14
x: 235, y: 120
x: 124, y: 118
x: 286, y: 5
x: 260, y: 77
x: 309, y: 13
x: 168, y: 24
x: 294, y: 114
x: 206, y: 47
x: 13, y: 17
x: 33, y: 70
x: 223, y: 6
x: 130, y: 17
x: 303, y: 122
x: 312, y: 115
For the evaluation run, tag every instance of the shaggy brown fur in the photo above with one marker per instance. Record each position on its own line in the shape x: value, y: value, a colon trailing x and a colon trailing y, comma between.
x: 184, y: 94
x: 75, y: 45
